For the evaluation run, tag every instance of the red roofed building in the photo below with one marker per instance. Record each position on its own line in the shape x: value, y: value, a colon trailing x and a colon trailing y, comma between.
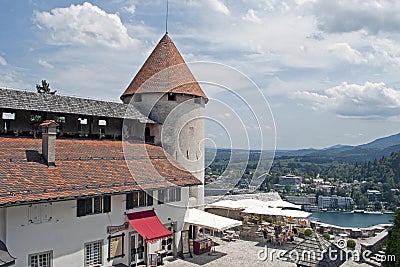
x: 95, y: 183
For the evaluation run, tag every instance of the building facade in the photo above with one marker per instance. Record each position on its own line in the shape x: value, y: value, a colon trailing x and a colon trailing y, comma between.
x: 95, y: 183
x: 288, y: 181
x: 335, y: 202
x: 374, y: 195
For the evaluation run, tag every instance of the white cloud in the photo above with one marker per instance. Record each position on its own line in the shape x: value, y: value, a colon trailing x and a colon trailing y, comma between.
x: 3, y: 61
x: 45, y: 64
x: 130, y: 6
x: 347, y: 53
x: 219, y: 6
x: 368, y: 101
x: 349, y: 16
x: 385, y: 51
x: 84, y: 24
x: 251, y: 16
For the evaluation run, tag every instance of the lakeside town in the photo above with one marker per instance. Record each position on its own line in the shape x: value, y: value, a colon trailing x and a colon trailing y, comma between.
x: 296, y: 190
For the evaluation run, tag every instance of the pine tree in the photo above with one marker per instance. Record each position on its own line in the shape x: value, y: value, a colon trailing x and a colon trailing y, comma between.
x: 393, y: 242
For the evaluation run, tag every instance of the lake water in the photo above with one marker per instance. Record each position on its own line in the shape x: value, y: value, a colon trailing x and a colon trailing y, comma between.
x: 356, y: 220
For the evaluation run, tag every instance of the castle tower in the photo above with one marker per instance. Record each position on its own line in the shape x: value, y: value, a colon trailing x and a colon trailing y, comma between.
x: 165, y: 90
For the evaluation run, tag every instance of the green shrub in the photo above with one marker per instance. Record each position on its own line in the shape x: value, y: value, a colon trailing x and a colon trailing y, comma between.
x: 351, y: 243
x: 326, y: 236
x: 308, y: 232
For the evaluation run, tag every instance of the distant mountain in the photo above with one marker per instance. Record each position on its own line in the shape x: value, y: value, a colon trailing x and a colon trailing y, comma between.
x: 383, y: 142
x: 295, y: 153
x: 342, y: 153
x: 339, y: 147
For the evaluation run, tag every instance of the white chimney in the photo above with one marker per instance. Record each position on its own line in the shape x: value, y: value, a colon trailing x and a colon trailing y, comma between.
x: 49, y: 132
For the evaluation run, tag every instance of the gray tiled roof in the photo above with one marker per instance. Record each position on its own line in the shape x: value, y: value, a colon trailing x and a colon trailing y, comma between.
x: 22, y: 100
x: 315, y: 251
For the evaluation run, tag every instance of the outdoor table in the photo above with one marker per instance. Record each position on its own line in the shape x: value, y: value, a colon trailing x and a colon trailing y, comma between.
x: 161, y: 254
x: 230, y: 231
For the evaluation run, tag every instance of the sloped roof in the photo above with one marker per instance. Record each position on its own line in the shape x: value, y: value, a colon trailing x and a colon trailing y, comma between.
x: 23, y: 100
x: 164, y: 71
x: 5, y: 257
x: 84, y: 167
x: 315, y: 251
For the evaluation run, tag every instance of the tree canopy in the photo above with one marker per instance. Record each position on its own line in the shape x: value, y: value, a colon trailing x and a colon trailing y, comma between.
x: 44, y: 88
x: 393, y: 244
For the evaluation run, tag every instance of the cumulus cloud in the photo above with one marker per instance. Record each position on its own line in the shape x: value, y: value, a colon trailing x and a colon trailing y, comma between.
x: 349, y: 16
x: 219, y: 6
x: 368, y: 101
x: 3, y: 61
x: 84, y: 24
x: 45, y: 64
x: 251, y: 16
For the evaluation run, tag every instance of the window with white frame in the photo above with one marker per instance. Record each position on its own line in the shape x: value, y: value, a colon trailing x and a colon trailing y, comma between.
x: 93, y: 253
x: 172, y: 194
x: 43, y: 259
x: 102, y: 122
x: 8, y: 116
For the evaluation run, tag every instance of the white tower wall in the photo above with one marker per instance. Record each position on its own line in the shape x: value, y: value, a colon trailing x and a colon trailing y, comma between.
x: 182, y: 131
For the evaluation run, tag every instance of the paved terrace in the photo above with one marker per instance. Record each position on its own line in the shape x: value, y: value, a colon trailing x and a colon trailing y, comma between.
x: 238, y: 253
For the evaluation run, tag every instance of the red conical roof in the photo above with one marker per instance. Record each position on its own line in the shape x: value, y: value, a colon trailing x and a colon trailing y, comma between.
x: 165, y: 71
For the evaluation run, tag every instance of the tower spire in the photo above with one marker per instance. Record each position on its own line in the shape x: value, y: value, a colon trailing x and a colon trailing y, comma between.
x: 166, y: 20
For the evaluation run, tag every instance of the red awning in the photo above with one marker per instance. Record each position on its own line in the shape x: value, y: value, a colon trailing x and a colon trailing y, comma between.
x: 147, y: 224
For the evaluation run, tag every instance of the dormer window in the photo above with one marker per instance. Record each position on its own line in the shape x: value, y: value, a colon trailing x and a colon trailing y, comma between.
x: 102, y: 122
x: 83, y: 121
x: 137, y: 97
x: 171, y: 97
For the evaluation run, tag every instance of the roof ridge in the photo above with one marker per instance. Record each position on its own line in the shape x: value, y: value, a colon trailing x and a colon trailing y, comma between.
x: 60, y: 95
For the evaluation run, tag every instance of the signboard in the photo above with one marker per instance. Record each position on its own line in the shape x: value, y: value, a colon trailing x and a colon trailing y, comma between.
x: 118, y: 228
x: 116, y: 246
x: 185, y: 243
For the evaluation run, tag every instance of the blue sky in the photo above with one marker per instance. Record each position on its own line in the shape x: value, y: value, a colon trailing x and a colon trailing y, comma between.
x: 329, y: 69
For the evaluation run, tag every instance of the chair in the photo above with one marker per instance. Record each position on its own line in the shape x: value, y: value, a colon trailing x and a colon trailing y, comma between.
x: 236, y: 235
x: 227, y: 237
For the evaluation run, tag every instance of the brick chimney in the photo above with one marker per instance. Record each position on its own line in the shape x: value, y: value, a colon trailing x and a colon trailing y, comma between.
x: 49, y: 131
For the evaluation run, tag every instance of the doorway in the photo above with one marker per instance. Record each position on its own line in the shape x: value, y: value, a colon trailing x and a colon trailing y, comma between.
x: 137, y: 249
